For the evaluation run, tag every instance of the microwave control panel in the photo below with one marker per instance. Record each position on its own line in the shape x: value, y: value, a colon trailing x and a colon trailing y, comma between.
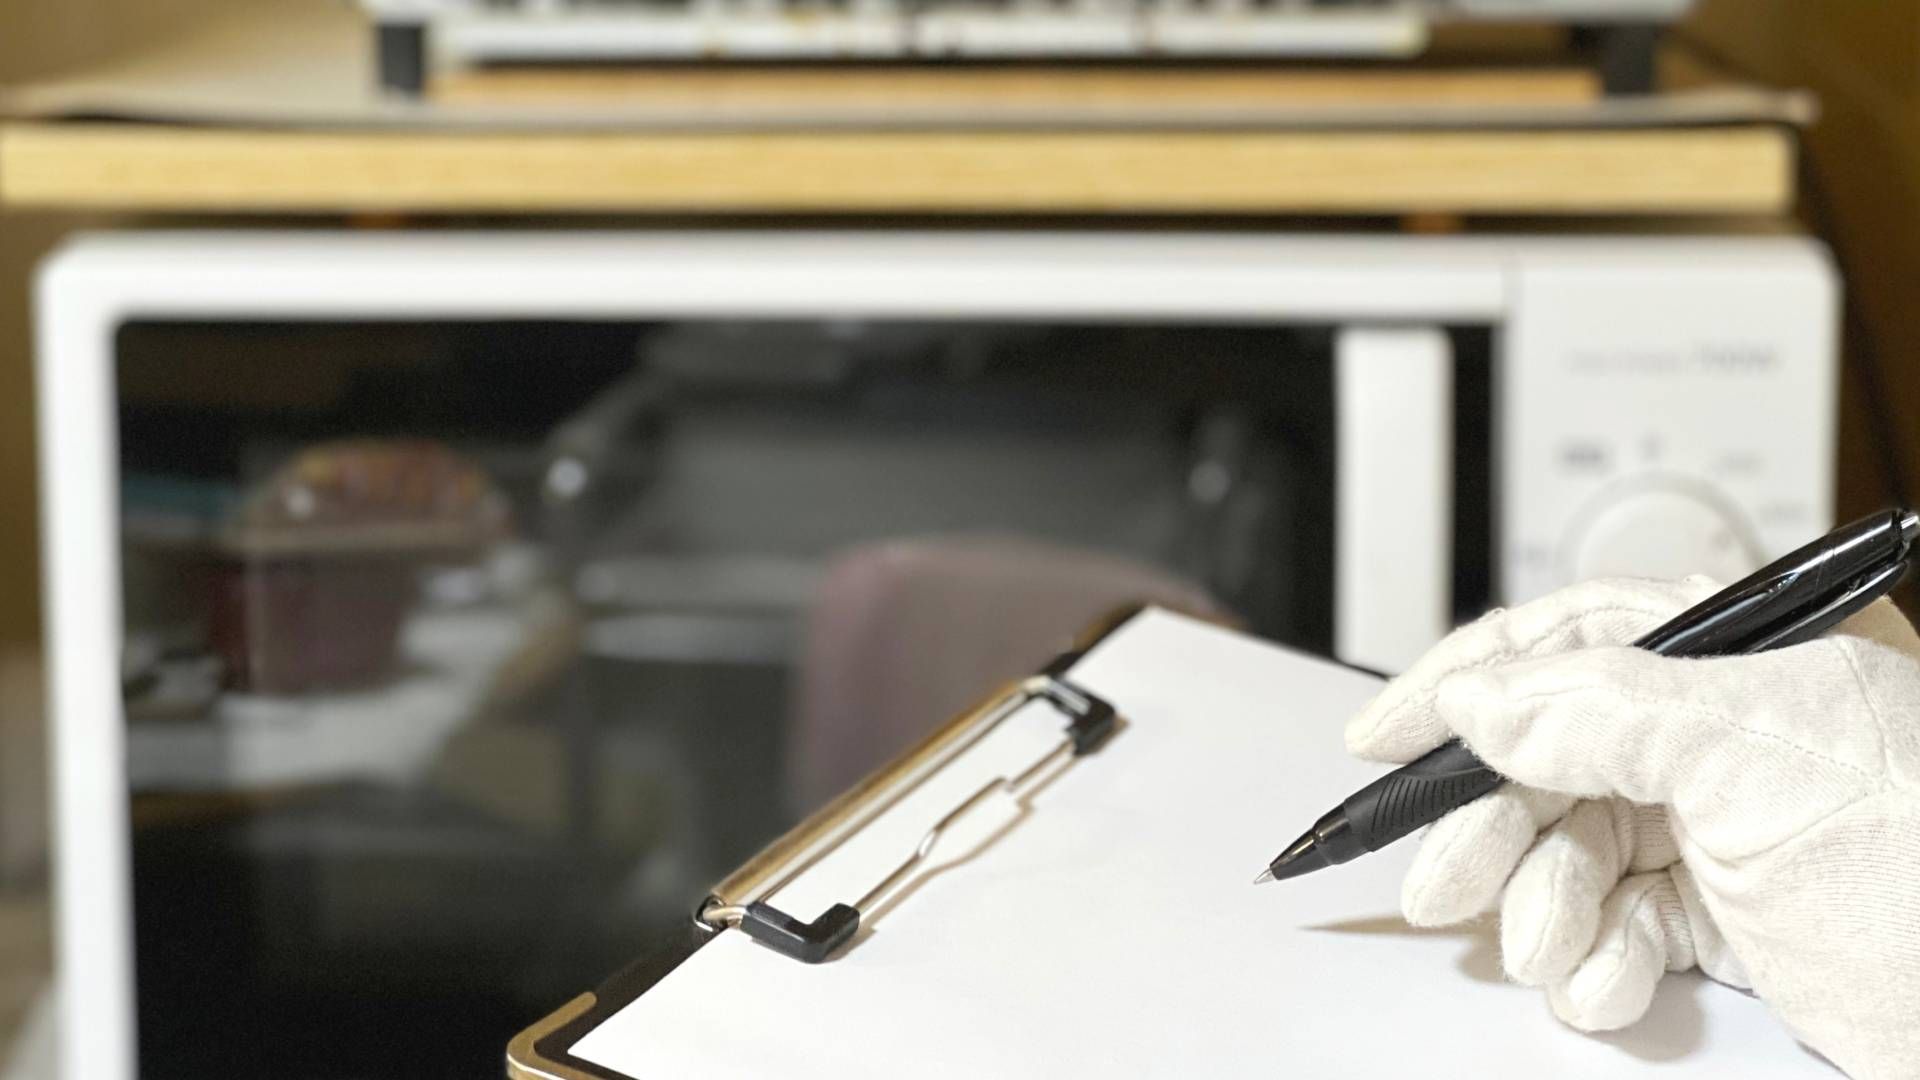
x: 1664, y: 413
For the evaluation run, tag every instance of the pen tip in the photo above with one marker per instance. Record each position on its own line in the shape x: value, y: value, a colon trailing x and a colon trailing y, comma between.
x: 1265, y: 876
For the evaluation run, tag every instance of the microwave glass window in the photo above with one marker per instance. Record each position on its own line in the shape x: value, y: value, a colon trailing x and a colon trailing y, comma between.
x: 462, y: 657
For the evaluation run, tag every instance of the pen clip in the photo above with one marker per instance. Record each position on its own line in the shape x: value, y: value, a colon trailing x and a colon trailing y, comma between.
x: 1816, y: 621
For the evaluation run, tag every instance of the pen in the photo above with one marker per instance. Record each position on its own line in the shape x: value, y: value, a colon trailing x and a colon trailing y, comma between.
x: 1793, y: 599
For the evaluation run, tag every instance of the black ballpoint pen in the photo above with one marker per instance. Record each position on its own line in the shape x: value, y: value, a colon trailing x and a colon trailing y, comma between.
x: 1793, y: 599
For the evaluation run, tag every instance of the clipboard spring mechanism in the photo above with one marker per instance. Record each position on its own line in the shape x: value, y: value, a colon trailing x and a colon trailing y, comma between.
x: 1090, y: 720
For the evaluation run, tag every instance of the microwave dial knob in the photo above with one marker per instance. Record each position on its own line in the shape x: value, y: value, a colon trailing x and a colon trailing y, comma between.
x: 1660, y: 532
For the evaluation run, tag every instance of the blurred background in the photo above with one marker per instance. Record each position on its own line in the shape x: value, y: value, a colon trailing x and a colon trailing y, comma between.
x: 463, y: 646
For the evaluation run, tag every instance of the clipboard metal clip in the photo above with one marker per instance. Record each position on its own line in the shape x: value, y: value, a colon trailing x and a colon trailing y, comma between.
x: 1090, y: 720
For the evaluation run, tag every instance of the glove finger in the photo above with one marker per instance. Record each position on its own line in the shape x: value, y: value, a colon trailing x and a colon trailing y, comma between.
x: 1467, y: 856
x: 1550, y: 912
x: 1400, y: 724
x: 1647, y: 830
x: 1710, y: 948
x: 1642, y: 934
x: 1705, y: 737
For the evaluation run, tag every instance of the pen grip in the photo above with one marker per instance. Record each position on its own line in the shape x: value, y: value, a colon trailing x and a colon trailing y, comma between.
x: 1418, y: 793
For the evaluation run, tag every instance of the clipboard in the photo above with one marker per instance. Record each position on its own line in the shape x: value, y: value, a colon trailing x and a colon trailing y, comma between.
x: 1112, y: 932
x: 542, y: 1051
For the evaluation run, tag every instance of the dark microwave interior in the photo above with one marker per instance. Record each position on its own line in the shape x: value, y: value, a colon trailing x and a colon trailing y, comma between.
x: 463, y: 657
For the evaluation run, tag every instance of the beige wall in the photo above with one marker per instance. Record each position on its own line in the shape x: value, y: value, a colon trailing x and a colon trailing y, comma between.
x: 19, y: 606
x: 38, y: 37
x: 1863, y: 60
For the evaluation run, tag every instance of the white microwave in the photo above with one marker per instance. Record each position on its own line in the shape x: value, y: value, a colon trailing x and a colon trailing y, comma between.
x: 1356, y: 440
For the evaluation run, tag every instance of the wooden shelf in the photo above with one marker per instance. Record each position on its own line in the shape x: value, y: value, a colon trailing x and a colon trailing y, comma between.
x: 273, y: 108
x: 1733, y: 170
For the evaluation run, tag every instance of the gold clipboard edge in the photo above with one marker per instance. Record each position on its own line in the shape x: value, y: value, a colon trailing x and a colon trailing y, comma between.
x: 544, y: 1050
x: 524, y: 1061
x: 525, y: 1058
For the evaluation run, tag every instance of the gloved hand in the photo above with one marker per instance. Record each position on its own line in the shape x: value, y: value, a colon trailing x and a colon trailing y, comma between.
x: 1756, y: 816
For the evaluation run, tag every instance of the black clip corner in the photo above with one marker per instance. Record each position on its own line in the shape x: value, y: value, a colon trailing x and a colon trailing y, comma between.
x: 1091, y: 719
x: 808, y: 943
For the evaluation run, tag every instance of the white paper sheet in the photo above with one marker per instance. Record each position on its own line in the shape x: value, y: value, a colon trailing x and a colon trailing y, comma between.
x: 1113, y: 930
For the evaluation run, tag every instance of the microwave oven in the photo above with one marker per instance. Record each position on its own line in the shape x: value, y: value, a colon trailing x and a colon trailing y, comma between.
x: 1353, y: 442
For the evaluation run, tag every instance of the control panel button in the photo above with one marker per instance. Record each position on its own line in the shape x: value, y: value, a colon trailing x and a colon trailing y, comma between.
x: 1663, y: 532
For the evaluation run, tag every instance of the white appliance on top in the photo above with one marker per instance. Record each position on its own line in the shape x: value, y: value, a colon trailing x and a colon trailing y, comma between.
x: 1658, y: 406
x: 547, y: 31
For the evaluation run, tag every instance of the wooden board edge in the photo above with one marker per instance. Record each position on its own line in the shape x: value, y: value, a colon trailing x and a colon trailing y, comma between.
x: 1743, y: 170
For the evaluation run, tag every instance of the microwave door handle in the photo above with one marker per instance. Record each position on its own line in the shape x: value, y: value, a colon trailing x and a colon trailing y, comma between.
x: 1393, y: 498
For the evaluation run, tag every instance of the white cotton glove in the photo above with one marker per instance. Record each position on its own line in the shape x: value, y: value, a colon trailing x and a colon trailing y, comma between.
x: 1756, y: 816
